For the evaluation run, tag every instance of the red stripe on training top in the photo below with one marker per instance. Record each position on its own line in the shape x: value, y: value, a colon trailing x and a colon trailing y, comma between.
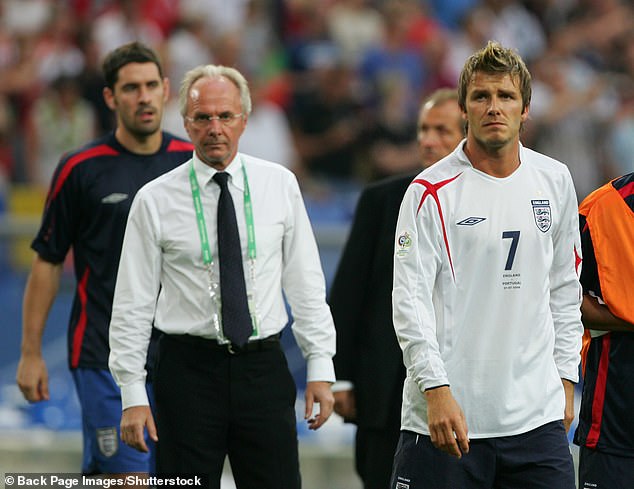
x: 176, y: 145
x: 80, y: 329
x: 626, y: 190
x: 101, y: 150
x: 432, y: 189
x: 599, y: 393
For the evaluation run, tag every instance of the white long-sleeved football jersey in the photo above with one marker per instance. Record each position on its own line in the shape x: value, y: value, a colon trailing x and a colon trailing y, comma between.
x: 486, y: 293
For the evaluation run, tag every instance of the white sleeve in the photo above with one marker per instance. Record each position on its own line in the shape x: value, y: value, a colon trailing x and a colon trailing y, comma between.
x: 565, y: 289
x: 418, y: 259
x: 138, y: 282
x: 305, y: 289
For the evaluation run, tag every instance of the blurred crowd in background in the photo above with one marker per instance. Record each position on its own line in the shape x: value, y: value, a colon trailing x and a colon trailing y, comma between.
x: 336, y: 83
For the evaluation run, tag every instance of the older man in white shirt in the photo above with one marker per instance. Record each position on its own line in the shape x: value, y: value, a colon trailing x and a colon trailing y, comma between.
x: 217, y: 396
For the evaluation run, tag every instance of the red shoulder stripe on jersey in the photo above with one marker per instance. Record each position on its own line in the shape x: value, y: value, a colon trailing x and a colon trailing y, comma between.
x: 177, y: 145
x: 432, y: 189
x: 626, y: 190
x: 599, y: 393
x: 80, y: 329
x: 101, y: 150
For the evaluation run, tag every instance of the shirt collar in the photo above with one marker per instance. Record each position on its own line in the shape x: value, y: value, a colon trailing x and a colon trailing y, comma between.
x: 462, y: 157
x: 460, y: 154
x: 234, y: 169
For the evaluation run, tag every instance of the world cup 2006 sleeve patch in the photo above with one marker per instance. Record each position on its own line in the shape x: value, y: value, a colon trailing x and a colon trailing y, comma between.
x: 403, y: 243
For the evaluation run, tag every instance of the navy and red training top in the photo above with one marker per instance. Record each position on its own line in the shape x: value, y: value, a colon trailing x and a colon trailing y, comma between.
x: 87, y: 210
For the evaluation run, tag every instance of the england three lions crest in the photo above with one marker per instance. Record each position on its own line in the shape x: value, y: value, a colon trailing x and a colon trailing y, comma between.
x: 542, y: 214
x: 107, y: 441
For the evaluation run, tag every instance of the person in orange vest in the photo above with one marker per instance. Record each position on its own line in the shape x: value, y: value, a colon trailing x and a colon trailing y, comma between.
x: 606, y: 428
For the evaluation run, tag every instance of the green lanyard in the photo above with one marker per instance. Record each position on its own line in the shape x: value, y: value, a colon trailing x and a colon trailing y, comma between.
x: 202, y: 226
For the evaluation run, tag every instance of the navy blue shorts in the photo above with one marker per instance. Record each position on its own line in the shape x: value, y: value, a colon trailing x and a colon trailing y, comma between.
x: 538, y: 459
x: 104, y: 452
x: 599, y: 470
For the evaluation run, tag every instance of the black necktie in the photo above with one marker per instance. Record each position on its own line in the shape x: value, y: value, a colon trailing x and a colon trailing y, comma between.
x: 236, y: 320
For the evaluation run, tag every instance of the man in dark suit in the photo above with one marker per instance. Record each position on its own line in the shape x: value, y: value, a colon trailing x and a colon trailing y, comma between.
x: 368, y: 363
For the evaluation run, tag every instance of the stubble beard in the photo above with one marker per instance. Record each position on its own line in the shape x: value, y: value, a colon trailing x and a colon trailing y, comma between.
x: 142, y: 132
x: 492, y: 144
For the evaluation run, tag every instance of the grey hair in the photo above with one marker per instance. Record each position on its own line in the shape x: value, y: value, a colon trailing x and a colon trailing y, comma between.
x: 214, y: 71
x: 439, y: 97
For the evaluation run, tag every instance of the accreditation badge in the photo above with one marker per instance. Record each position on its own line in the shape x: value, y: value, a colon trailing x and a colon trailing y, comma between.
x: 254, y: 315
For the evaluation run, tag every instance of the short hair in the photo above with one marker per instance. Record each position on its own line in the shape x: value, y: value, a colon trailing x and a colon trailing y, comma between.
x: 132, y: 52
x: 214, y: 71
x: 439, y: 97
x: 494, y: 58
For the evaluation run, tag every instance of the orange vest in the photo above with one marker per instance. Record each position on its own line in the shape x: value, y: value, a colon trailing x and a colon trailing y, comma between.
x: 611, y: 224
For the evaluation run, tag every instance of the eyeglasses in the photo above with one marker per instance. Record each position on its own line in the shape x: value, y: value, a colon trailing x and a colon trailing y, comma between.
x: 203, y: 120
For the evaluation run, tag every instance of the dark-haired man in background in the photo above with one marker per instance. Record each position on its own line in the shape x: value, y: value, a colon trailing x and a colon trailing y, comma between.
x: 86, y: 210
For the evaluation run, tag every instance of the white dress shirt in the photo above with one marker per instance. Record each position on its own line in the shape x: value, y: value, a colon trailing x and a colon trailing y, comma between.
x: 486, y: 294
x: 162, y: 278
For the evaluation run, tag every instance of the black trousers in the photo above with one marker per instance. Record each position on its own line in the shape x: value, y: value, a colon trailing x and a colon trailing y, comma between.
x: 374, y: 452
x: 212, y: 404
x: 375, y: 448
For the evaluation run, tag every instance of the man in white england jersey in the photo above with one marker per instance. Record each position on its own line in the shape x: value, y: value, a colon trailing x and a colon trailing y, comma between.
x: 486, y: 301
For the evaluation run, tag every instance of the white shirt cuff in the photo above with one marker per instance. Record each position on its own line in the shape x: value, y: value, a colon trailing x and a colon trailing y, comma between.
x: 320, y: 369
x: 342, y: 385
x: 134, y: 395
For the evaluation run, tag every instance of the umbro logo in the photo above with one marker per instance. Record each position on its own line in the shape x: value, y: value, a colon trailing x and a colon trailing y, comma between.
x: 471, y: 221
x: 114, y: 198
